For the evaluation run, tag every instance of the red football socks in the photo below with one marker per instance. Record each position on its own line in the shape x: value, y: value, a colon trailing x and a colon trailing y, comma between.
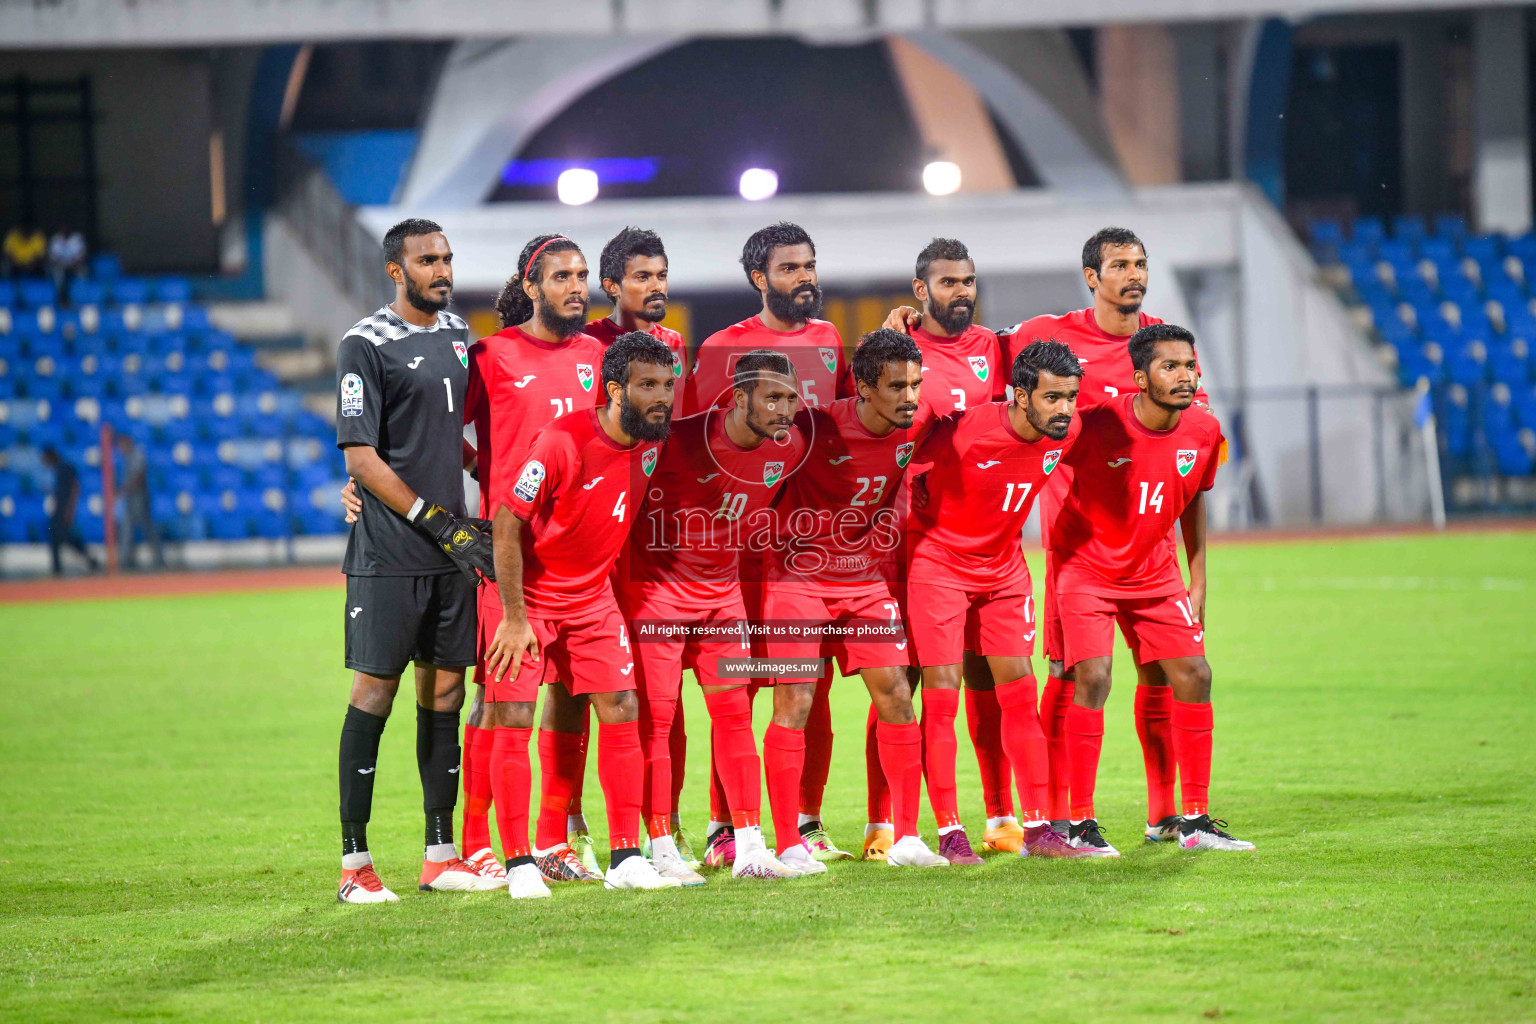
x: 1154, y: 726
x: 1053, y: 720
x: 655, y: 731
x: 511, y: 782
x: 783, y: 763
x: 984, y: 721
x: 730, y: 713
x: 561, y: 757
x: 1085, y: 735
x: 475, y: 834
x: 678, y: 743
x: 879, y: 792
x: 719, y: 803
x: 1024, y: 741
x: 818, y: 749
x: 580, y: 768
x: 901, y: 755
x: 620, y: 767
x: 1192, y: 747
x: 939, y: 749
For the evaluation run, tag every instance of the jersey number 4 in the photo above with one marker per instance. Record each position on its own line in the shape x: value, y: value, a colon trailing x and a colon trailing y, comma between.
x: 618, y: 506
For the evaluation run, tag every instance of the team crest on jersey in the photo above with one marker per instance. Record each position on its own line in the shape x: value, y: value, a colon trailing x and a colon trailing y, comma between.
x: 677, y: 365
x: 462, y: 351
x: 351, y: 395
x: 1185, y: 461
x: 829, y: 357
x: 584, y: 376
x: 527, y: 486
x: 1049, y: 462
x: 979, y: 367
x: 648, y: 460
x: 771, y: 473
x: 904, y: 454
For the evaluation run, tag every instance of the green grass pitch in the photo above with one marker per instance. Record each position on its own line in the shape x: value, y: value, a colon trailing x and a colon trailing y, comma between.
x: 170, y: 851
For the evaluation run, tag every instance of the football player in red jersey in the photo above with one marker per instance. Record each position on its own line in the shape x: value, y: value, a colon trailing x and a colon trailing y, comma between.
x: 780, y: 263
x: 718, y: 477
x: 632, y: 272
x: 557, y: 536
x: 1143, y: 462
x: 539, y: 367
x: 826, y: 569
x: 968, y: 587
x: 962, y: 368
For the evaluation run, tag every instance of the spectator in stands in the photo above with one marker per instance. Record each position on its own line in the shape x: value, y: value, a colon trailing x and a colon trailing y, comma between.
x: 136, y: 510
x: 25, y: 250
x: 66, y: 257
x: 63, y: 531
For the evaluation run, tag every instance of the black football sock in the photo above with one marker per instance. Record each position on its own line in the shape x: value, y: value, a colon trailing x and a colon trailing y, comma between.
x: 437, y: 758
x: 619, y: 856
x: 359, y: 758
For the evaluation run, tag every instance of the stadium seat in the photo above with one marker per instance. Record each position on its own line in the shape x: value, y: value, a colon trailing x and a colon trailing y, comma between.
x: 105, y: 267
x: 1450, y: 225
x: 1368, y: 230
x: 173, y: 289
x: 85, y: 292
x: 36, y: 292
x: 8, y: 297
x: 130, y: 291
x: 1408, y: 227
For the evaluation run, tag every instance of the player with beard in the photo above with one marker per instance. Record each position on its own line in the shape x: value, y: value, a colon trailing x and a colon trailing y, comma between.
x: 962, y: 368
x: 539, y: 367
x: 1143, y: 462
x: 400, y: 377
x: 968, y: 584
x: 558, y: 533
x: 719, y: 475
x: 826, y: 570
x: 780, y: 263
x: 633, y: 274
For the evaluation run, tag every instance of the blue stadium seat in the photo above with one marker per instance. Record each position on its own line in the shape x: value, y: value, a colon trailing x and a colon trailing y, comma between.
x: 173, y: 289
x: 8, y: 299
x: 1509, y: 362
x: 35, y: 292
x: 90, y: 345
x: 105, y: 267
x: 1408, y: 227
x: 1456, y: 421
x: 1400, y: 256
x: 1451, y: 225
x: 1368, y: 231
x: 49, y: 388
x: 128, y: 291
x: 225, y: 478
x: 85, y: 292
x: 1482, y: 248
x: 1512, y: 453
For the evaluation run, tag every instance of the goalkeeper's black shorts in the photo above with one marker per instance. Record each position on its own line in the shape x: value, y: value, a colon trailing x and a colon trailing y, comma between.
x: 392, y: 621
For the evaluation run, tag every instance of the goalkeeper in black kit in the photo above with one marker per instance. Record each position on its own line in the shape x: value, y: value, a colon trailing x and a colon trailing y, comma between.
x: 413, y: 555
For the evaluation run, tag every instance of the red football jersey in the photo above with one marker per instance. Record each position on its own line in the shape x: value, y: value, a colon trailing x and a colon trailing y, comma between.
x: 1113, y: 536
x: 1107, y: 370
x: 983, y: 483
x: 815, y: 351
x: 838, y: 522
x: 517, y: 384
x: 578, y: 493
x: 958, y: 373
x: 607, y: 332
x: 707, y: 496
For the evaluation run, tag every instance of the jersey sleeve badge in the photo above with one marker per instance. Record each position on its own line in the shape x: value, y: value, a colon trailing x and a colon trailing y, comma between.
x: 351, y: 395
x: 979, y: 367
x: 829, y: 357
x: 648, y: 460
x: 1184, y: 461
x: 584, y: 376
x: 527, y: 486
x: 771, y: 473
x: 1049, y: 462
x: 904, y: 454
x: 462, y: 351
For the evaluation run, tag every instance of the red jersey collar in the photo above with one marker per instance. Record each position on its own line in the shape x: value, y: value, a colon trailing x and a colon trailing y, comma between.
x: 1002, y: 412
x: 517, y: 331
x: 602, y: 434
x: 1135, y: 421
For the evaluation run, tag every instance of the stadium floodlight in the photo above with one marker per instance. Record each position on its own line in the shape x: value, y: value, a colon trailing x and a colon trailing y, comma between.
x: 941, y: 178
x: 576, y: 186
x: 759, y: 183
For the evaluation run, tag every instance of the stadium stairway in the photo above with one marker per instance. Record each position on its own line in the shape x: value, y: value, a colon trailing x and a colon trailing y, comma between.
x: 1456, y: 312
x: 222, y: 399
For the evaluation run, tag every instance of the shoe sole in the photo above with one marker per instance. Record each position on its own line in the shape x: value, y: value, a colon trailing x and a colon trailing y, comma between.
x: 828, y: 856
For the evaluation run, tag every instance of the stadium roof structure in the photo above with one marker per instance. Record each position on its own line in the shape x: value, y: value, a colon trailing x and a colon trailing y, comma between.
x: 36, y: 24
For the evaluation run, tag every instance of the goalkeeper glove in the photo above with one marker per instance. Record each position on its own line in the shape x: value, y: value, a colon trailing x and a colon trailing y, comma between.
x: 466, y: 541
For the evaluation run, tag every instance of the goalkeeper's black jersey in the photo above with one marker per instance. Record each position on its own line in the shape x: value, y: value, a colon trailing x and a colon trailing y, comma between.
x: 400, y: 390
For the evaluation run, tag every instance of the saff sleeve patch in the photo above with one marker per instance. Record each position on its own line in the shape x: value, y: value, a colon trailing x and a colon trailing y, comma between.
x: 351, y: 395
x: 527, y: 486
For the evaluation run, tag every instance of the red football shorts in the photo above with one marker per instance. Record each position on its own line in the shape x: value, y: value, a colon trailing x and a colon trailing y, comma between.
x: 946, y: 621
x: 781, y: 606
x: 590, y: 648
x: 659, y: 663
x: 1155, y: 628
